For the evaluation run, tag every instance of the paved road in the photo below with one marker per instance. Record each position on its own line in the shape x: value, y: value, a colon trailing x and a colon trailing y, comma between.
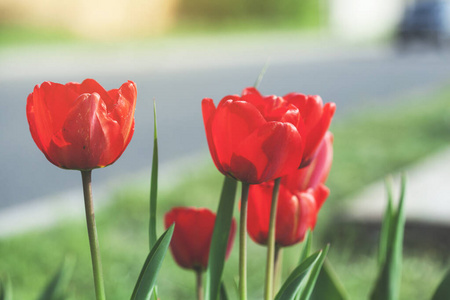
x: 178, y: 74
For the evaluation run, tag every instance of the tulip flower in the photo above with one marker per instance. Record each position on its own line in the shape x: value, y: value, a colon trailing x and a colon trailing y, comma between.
x: 301, y: 195
x: 253, y: 138
x: 316, y: 118
x: 192, y: 236
x: 81, y: 126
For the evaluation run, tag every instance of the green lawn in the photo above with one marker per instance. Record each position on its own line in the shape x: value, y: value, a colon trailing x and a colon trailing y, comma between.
x: 366, y: 147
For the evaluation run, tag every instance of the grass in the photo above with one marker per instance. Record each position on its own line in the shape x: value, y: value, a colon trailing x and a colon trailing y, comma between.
x: 367, y: 146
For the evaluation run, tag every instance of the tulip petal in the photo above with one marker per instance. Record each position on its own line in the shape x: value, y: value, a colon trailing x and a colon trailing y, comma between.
x: 271, y: 151
x: 316, y: 133
x: 89, y: 86
x: 321, y: 194
x: 258, y: 214
x: 208, y: 111
x: 233, y: 122
x: 83, y: 142
x: 192, y: 236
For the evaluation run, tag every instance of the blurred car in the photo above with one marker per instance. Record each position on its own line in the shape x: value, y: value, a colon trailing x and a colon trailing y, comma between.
x: 427, y: 21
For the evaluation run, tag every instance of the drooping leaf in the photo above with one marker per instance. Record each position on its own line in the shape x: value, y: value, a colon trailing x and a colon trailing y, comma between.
x: 328, y: 285
x: 387, y: 286
x: 219, y: 239
x: 147, y: 277
x: 153, y: 184
x: 57, y: 287
x: 306, y: 291
x: 293, y: 283
x: 443, y: 290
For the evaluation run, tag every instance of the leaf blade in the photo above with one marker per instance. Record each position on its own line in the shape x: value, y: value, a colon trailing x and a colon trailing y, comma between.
x: 147, y: 277
x: 443, y: 290
x: 293, y: 283
x: 219, y: 239
x: 56, y: 288
x: 387, y: 286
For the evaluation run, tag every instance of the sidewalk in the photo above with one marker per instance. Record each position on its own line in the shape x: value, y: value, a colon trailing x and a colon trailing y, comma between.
x: 427, y: 195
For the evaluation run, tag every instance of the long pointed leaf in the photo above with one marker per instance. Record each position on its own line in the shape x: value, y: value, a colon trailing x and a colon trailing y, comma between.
x: 293, y: 283
x: 56, y: 288
x: 328, y: 285
x: 219, y: 239
x: 306, y: 292
x: 443, y: 290
x: 388, y: 283
x: 388, y: 216
x: 153, y: 184
x: 147, y: 277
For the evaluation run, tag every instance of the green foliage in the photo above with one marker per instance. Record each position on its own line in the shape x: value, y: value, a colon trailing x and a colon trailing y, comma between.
x: 154, y: 183
x: 303, y: 277
x: 388, y: 283
x: 57, y: 287
x: 304, y: 12
x: 147, y: 278
x: 443, y: 290
x: 5, y: 289
x: 219, y: 239
x: 328, y: 285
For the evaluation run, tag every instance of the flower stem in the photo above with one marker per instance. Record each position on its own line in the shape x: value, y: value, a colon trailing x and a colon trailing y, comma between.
x: 268, y: 291
x: 199, y: 276
x: 243, y: 243
x: 92, y: 233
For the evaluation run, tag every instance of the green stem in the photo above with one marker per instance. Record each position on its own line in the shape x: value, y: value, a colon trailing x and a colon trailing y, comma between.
x: 243, y: 243
x: 199, y: 283
x: 93, y: 238
x: 268, y: 291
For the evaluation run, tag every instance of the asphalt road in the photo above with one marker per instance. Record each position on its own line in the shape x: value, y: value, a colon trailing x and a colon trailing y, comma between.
x: 178, y: 74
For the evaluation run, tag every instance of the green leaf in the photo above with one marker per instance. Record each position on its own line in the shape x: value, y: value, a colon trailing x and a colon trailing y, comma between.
x: 293, y: 283
x: 57, y: 287
x: 261, y: 74
x: 387, y: 286
x: 223, y: 292
x: 153, y: 184
x: 219, y: 239
x: 443, y: 290
x: 328, y: 285
x: 5, y: 289
x: 147, y: 278
x: 307, y: 245
x: 385, y: 231
x: 310, y: 283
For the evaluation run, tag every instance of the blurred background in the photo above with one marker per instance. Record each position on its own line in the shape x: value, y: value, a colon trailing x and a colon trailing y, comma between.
x: 384, y: 63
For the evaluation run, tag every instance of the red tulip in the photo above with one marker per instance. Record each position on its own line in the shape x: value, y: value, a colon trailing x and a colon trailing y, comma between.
x: 316, y: 118
x: 253, y: 138
x: 317, y: 172
x: 301, y: 196
x: 192, y: 236
x: 81, y: 126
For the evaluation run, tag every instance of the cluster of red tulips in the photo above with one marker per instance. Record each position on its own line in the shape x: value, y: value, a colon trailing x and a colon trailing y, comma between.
x: 279, y: 148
